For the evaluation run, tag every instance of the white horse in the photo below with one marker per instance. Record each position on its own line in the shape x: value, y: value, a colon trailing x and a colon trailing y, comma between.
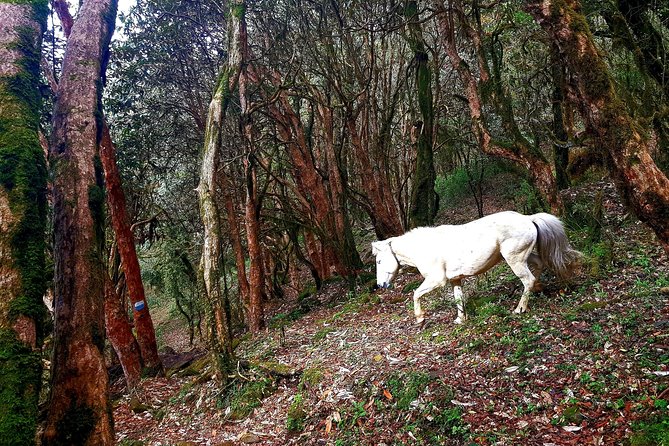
x: 451, y: 253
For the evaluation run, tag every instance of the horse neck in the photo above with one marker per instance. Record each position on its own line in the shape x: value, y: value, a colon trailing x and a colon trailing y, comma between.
x: 399, y: 248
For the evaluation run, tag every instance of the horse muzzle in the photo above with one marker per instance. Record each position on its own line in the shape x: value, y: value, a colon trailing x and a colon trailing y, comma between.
x: 384, y: 285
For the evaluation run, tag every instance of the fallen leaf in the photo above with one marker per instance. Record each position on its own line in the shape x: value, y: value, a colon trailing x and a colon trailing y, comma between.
x: 387, y: 394
x: 249, y: 438
x: 511, y: 369
x: 460, y: 403
x: 571, y: 428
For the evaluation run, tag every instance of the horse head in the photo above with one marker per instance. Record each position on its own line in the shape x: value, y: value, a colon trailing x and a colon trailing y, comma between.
x: 386, y: 263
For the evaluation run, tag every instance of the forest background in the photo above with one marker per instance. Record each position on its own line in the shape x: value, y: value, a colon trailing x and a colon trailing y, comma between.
x: 261, y: 145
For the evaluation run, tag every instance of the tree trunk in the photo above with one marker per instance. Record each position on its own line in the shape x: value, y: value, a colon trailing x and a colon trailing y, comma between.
x: 221, y: 339
x: 23, y: 205
x: 221, y: 347
x: 79, y: 409
x: 345, y: 243
x: 382, y: 209
x: 120, y: 335
x: 256, y: 314
x: 310, y: 185
x: 643, y: 186
x: 236, y: 240
x: 256, y: 271
x: 423, y: 207
x: 125, y: 240
x: 560, y: 136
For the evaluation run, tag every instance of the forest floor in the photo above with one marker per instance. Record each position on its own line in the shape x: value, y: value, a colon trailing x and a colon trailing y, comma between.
x: 587, y: 365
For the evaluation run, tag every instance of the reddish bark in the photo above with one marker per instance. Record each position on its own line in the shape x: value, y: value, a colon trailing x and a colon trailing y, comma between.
x: 125, y: 240
x: 63, y: 11
x: 236, y: 240
x: 343, y: 237
x: 120, y: 335
x: 642, y: 185
x: 383, y: 212
x: 256, y: 271
x: 310, y: 184
x: 79, y: 410
x: 251, y: 209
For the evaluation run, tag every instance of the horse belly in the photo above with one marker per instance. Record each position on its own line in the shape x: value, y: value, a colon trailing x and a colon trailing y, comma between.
x: 472, y: 263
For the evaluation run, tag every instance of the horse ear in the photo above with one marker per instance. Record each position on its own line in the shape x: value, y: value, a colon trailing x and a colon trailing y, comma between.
x: 375, y: 248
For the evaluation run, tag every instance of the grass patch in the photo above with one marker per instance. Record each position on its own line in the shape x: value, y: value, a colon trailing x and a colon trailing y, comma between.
x: 406, y: 388
x: 653, y: 431
x: 410, y: 287
x: 296, y: 415
x: 246, y: 396
x: 322, y: 334
x: 311, y: 377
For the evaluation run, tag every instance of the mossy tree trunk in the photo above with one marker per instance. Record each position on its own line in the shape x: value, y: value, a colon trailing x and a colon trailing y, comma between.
x: 23, y: 204
x: 642, y: 185
x: 423, y: 206
x: 79, y: 411
x: 220, y: 338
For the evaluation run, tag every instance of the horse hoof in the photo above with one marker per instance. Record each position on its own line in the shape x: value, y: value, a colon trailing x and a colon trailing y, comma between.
x: 520, y: 310
x: 459, y: 321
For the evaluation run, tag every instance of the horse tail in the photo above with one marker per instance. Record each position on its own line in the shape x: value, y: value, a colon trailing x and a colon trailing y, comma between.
x: 553, y: 245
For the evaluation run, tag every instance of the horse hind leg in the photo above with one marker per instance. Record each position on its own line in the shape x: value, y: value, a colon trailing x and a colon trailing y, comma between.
x: 523, y: 272
x: 458, y: 296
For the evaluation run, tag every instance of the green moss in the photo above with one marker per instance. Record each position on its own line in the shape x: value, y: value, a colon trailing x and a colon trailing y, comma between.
x: 20, y: 379
x: 311, y: 377
x: 247, y: 396
x: 23, y: 173
x: 296, y: 415
x: 237, y: 10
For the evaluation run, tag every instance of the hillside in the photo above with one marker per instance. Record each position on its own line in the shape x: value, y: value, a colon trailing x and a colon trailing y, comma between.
x: 587, y: 365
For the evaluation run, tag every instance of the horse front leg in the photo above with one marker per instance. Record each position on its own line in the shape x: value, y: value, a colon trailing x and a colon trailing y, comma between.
x: 458, y: 296
x: 424, y: 288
